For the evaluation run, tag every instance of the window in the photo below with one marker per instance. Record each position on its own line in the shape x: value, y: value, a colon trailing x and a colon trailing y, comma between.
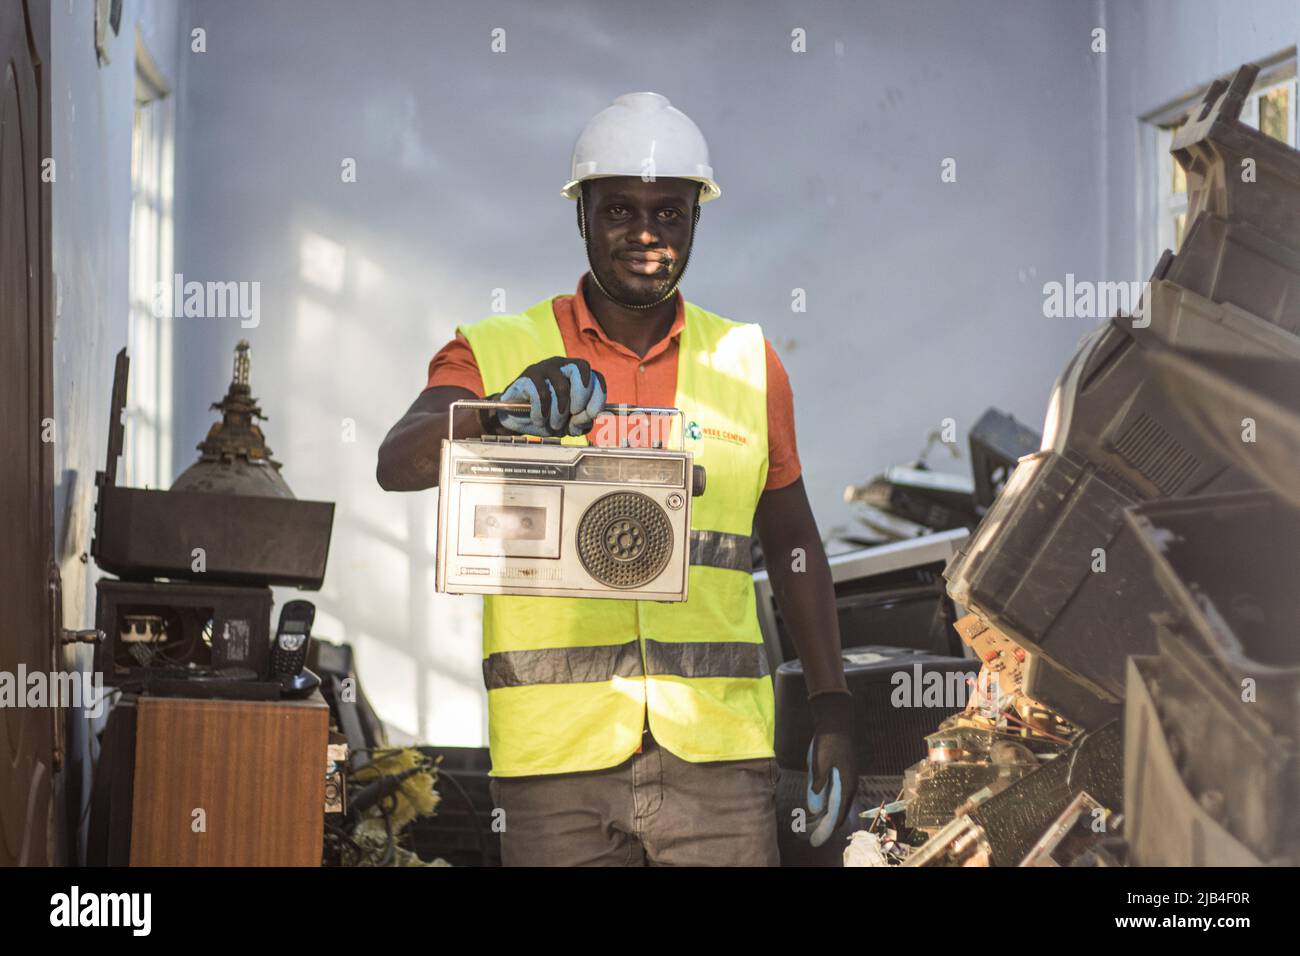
x: 1270, y: 107
x: 147, y: 454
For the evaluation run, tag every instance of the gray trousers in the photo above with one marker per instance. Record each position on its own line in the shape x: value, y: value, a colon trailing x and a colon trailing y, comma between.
x: 653, y: 809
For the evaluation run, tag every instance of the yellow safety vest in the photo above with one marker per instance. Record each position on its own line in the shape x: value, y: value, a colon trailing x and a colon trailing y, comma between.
x: 572, y: 681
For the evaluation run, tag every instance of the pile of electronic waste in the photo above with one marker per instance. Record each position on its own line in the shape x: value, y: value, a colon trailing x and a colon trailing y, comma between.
x: 1132, y: 590
x: 998, y: 779
x: 914, y: 500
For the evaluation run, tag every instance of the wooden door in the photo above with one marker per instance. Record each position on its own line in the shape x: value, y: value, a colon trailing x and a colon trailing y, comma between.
x: 27, y: 735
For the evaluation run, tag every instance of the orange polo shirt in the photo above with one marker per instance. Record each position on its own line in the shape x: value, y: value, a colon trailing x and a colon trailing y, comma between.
x: 637, y: 380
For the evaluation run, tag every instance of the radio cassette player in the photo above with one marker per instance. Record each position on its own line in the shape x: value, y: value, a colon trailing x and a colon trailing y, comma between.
x: 528, y: 516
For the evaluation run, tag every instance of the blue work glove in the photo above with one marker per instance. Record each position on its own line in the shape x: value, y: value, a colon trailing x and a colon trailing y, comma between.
x: 832, y: 765
x: 565, y: 395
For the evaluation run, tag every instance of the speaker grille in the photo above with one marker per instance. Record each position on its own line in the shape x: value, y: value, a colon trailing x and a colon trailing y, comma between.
x: 624, y: 539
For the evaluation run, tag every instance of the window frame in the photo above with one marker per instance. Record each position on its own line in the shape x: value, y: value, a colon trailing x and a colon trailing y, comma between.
x: 1159, y: 204
x: 147, y: 458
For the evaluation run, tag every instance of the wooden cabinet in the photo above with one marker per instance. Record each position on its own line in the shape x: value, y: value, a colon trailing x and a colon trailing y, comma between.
x: 228, y: 783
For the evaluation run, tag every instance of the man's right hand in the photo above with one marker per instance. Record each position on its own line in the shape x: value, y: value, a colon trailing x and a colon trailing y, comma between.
x: 564, y: 396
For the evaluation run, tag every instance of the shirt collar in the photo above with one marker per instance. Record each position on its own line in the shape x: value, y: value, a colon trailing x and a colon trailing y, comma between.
x: 588, y: 323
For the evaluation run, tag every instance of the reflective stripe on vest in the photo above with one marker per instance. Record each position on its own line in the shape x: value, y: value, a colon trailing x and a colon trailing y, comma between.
x: 580, y: 665
x: 571, y: 682
x: 718, y: 549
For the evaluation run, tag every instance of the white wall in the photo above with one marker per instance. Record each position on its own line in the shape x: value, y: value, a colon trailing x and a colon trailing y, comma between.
x: 92, y: 113
x: 924, y: 298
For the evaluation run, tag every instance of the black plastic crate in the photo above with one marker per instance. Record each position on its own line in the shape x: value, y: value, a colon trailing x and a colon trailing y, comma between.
x: 887, y: 738
x: 461, y: 831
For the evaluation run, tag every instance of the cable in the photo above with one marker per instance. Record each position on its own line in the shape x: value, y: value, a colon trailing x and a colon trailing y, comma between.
x: 382, y: 790
x: 164, y: 651
x: 390, y: 850
x: 1036, y: 730
x: 374, y: 794
x: 341, y: 834
x: 480, y: 837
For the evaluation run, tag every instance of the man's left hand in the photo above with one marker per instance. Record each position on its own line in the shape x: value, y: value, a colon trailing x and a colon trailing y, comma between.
x: 832, y: 764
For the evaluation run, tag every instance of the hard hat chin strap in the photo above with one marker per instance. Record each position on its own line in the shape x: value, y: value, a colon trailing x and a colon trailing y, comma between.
x: 586, y: 245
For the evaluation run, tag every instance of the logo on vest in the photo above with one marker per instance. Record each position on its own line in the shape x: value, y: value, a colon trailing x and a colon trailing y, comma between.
x: 696, y: 431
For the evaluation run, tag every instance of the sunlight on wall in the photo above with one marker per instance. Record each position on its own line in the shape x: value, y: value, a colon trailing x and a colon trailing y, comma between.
x: 313, y: 323
x: 327, y: 626
x: 456, y: 717
x: 419, y: 656
x: 321, y: 262
x: 369, y: 276
x: 453, y: 646
x: 390, y: 679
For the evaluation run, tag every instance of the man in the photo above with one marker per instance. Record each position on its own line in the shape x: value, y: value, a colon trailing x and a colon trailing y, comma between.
x: 625, y: 731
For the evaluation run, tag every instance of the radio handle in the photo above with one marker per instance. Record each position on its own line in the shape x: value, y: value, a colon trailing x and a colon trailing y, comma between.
x: 618, y: 408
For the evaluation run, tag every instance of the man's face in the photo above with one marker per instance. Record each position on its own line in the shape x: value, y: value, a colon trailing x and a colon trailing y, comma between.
x: 640, y: 233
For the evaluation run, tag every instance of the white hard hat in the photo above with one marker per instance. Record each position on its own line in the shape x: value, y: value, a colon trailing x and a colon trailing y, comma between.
x: 642, y: 134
